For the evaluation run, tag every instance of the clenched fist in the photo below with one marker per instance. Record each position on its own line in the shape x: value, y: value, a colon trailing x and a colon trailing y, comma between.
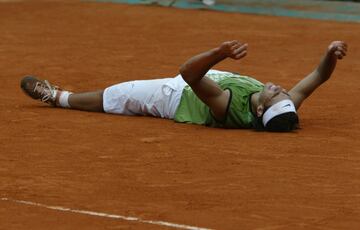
x: 234, y: 49
x: 337, y: 49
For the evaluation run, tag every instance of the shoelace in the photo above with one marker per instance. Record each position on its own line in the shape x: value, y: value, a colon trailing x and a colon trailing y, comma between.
x: 45, y: 90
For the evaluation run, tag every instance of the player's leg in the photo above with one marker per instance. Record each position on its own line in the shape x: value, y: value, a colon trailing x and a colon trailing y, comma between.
x: 53, y: 95
x: 157, y: 97
x: 89, y: 101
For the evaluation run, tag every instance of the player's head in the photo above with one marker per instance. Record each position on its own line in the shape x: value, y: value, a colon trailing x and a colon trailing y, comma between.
x: 276, y: 110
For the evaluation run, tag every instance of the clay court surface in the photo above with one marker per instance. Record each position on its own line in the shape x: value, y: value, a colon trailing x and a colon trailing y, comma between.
x: 158, y: 170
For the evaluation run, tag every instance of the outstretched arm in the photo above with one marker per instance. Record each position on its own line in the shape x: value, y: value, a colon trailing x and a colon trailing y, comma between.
x: 303, y: 89
x: 194, y: 69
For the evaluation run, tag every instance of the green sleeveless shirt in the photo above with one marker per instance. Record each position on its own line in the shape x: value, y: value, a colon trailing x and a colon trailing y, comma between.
x: 192, y: 110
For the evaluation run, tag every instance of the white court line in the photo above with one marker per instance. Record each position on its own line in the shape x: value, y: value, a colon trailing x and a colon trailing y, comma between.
x: 101, y: 214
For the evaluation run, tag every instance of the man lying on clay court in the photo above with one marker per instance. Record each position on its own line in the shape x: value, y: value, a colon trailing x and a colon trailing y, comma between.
x: 200, y: 95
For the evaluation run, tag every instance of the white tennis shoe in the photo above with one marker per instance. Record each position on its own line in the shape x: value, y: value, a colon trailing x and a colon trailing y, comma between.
x: 40, y: 89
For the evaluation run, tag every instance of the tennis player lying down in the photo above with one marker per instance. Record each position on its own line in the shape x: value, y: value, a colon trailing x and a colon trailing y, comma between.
x: 199, y: 94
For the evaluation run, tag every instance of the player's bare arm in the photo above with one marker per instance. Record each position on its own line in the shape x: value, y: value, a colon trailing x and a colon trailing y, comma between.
x: 194, y: 69
x: 303, y: 89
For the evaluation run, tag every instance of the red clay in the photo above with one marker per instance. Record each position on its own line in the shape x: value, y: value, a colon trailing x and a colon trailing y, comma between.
x: 160, y: 170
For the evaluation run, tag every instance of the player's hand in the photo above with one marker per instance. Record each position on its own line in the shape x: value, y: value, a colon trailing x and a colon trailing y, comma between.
x: 234, y: 49
x: 337, y: 49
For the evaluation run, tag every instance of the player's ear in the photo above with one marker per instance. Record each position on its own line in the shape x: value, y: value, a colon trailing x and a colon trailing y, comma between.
x: 260, y: 110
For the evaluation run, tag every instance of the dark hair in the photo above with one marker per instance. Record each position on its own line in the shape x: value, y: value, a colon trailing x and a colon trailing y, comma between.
x: 285, y: 122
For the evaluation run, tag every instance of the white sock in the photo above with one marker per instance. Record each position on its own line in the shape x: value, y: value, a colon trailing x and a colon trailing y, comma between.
x: 64, y: 99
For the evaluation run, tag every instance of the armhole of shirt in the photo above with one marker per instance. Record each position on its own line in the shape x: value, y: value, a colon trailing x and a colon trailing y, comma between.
x: 227, y: 110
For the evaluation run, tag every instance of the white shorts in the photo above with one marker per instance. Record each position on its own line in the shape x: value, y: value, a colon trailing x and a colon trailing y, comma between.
x: 159, y: 97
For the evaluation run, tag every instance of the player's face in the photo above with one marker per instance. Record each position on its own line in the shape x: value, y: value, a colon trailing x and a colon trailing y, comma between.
x: 272, y: 94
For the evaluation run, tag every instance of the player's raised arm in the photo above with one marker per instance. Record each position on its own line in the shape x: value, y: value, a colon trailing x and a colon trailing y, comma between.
x: 194, y: 69
x: 303, y: 89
